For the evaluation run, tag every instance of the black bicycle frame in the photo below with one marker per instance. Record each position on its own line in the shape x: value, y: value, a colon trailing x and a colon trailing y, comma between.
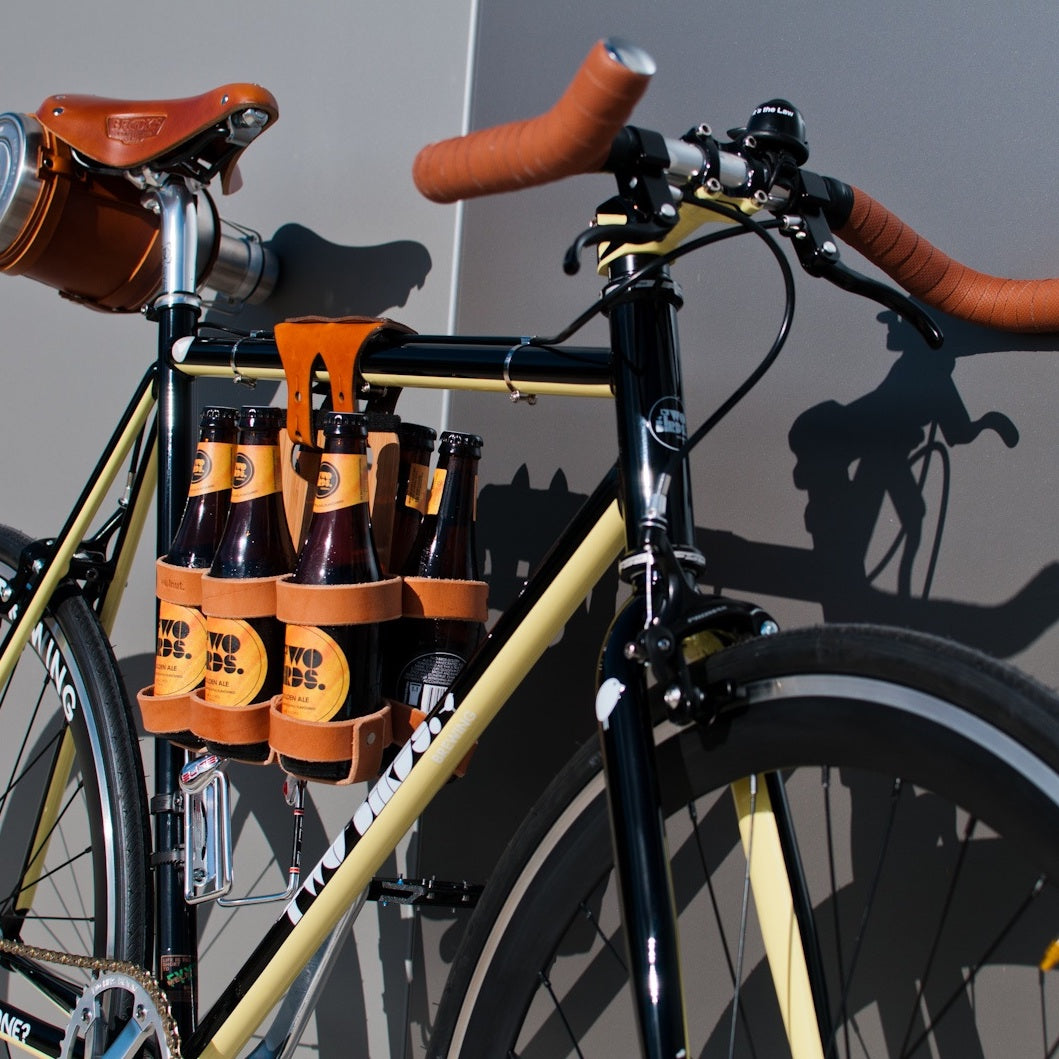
x: 651, y: 427
x: 644, y: 370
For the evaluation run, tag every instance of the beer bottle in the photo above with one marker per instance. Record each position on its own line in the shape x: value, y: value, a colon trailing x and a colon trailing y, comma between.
x: 244, y: 661
x: 425, y: 654
x: 413, y: 479
x: 332, y: 672
x: 180, y: 655
x: 202, y: 524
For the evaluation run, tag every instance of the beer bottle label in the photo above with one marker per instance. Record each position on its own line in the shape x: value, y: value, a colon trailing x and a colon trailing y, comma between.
x: 212, y: 471
x: 180, y: 654
x: 236, y: 662
x: 416, y: 495
x: 255, y: 472
x: 437, y: 487
x: 342, y: 481
x: 315, y: 674
x: 427, y: 677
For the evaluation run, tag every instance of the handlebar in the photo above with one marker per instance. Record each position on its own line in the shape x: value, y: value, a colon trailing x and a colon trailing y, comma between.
x: 1028, y: 305
x: 573, y: 137
x: 585, y: 132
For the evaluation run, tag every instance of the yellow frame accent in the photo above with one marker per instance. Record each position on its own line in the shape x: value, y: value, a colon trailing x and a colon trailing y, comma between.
x: 775, y: 908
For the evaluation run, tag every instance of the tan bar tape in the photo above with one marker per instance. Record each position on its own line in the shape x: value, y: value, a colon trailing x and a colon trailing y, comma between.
x: 178, y: 584
x: 362, y: 740
x: 230, y: 725
x: 239, y: 597
x: 338, y: 343
x: 433, y: 597
x: 338, y: 604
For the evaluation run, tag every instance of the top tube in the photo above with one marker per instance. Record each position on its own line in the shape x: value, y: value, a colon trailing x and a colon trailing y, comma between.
x: 491, y: 363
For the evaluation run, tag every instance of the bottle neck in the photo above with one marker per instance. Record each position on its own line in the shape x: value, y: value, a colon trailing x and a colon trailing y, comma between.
x: 338, y: 548
x: 198, y: 536
x: 451, y: 549
x: 256, y: 540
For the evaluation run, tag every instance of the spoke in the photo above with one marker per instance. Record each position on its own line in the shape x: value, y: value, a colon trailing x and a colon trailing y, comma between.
x: 869, y: 904
x: 965, y: 843
x: 546, y: 982
x: 87, y: 851
x: 825, y: 781
x: 970, y: 977
x: 17, y: 772
x: 11, y: 901
x: 601, y: 934
x: 693, y: 814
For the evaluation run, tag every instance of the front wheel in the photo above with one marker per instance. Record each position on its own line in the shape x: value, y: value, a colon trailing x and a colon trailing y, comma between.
x: 922, y: 781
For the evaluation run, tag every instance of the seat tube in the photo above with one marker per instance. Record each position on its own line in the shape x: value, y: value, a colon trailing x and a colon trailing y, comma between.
x: 176, y: 310
x: 651, y: 428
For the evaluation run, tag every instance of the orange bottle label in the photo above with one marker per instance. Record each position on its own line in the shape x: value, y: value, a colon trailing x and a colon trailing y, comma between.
x: 255, y: 472
x: 315, y: 674
x: 437, y: 487
x: 212, y: 471
x: 236, y: 662
x: 180, y: 651
x: 342, y: 481
x: 416, y: 494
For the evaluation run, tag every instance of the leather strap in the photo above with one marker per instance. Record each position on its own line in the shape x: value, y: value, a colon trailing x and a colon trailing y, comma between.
x: 433, y: 597
x: 361, y: 740
x: 337, y: 343
x: 229, y: 725
x: 166, y: 714
x: 326, y: 605
x: 178, y: 584
x: 239, y: 597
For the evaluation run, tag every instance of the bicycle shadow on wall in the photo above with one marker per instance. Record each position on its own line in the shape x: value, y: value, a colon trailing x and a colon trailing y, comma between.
x: 888, y: 452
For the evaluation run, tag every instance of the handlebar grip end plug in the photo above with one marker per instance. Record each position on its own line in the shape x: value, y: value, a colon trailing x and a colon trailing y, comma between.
x: 631, y: 56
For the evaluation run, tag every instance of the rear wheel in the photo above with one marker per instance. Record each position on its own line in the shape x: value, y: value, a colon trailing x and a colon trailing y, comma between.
x: 923, y: 790
x: 73, y: 820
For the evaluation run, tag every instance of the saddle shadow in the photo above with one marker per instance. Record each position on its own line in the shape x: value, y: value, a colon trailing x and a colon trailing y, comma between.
x: 320, y: 278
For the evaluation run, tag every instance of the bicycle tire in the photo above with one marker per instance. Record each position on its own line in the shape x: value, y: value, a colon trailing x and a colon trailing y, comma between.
x: 89, y: 859
x: 540, y: 973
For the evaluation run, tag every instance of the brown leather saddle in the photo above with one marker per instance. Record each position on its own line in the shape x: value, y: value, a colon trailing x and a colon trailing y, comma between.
x: 201, y: 135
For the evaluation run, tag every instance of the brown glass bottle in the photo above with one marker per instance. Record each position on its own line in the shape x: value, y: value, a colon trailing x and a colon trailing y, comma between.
x: 244, y: 663
x: 202, y: 524
x: 333, y: 672
x: 413, y: 481
x: 180, y: 647
x: 424, y: 655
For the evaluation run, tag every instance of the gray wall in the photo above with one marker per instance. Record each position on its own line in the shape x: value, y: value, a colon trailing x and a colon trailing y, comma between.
x: 940, y: 111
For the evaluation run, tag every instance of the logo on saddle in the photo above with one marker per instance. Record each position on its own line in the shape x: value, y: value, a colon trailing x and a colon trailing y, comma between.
x: 134, y: 128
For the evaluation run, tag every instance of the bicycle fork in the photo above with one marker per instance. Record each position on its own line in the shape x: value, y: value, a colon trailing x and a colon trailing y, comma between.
x: 660, y: 562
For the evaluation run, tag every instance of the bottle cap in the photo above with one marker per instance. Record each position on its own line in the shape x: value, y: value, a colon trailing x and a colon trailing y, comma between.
x: 342, y: 424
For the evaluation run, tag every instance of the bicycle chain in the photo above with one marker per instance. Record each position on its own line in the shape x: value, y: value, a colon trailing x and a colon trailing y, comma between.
x: 100, y: 966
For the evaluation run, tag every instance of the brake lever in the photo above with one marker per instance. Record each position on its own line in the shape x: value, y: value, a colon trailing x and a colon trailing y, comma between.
x: 818, y: 254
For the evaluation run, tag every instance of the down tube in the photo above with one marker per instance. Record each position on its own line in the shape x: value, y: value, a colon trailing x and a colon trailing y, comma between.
x: 580, y: 558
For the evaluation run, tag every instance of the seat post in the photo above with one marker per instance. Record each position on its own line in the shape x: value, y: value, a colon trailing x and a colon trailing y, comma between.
x: 176, y: 310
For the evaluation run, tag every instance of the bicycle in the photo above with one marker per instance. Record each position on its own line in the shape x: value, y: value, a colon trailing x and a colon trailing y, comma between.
x: 699, y: 697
